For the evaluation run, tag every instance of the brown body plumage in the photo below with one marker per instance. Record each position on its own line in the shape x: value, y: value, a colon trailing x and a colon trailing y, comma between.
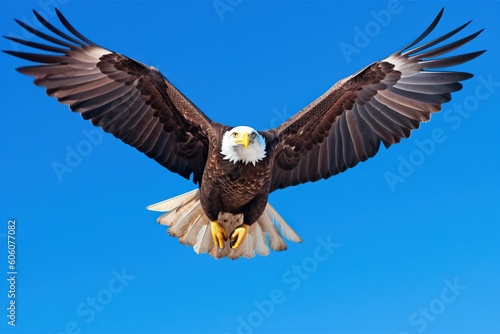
x: 383, y: 102
x: 235, y: 187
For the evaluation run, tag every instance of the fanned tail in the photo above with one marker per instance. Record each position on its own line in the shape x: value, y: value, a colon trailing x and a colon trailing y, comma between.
x: 187, y: 222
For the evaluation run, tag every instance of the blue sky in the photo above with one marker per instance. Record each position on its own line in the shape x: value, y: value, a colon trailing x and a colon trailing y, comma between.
x: 420, y: 255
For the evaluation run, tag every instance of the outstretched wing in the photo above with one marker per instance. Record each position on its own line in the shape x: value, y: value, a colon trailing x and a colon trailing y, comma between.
x: 134, y: 102
x: 383, y: 102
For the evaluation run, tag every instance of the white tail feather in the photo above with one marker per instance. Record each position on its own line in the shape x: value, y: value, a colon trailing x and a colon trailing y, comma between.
x: 203, y: 243
x: 188, y: 222
x: 261, y: 247
x: 190, y: 237
x: 175, y: 202
x: 283, y: 227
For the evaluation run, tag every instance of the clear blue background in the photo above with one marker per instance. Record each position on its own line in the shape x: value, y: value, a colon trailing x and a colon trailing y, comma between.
x: 399, y: 248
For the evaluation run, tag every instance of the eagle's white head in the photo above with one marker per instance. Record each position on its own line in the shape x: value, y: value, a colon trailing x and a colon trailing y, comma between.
x: 244, y: 144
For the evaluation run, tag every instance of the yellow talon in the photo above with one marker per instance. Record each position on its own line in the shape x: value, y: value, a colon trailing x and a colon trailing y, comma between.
x: 218, y: 233
x: 238, y: 235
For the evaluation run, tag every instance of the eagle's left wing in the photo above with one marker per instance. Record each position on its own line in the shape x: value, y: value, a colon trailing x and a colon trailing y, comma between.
x: 383, y: 102
x: 124, y: 97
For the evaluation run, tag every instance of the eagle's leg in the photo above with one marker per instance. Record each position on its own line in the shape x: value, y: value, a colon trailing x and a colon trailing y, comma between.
x: 218, y: 233
x: 238, y: 235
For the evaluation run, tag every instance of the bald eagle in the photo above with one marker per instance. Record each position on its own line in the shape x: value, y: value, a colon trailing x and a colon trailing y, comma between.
x: 235, y: 168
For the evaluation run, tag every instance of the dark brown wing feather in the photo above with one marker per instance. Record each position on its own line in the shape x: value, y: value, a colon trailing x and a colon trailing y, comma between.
x: 383, y: 102
x: 126, y: 98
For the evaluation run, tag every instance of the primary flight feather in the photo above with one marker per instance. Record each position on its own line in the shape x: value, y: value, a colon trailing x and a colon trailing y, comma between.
x: 237, y: 167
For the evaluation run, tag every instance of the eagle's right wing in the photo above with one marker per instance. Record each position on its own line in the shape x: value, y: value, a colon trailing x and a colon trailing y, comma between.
x: 135, y: 103
x: 383, y: 102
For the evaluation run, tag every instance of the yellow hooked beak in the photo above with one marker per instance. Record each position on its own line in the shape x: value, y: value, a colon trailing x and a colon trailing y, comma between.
x: 244, y: 139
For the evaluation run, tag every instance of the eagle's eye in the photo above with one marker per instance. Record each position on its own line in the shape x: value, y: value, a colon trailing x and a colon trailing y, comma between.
x: 253, y: 135
x: 235, y: 134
